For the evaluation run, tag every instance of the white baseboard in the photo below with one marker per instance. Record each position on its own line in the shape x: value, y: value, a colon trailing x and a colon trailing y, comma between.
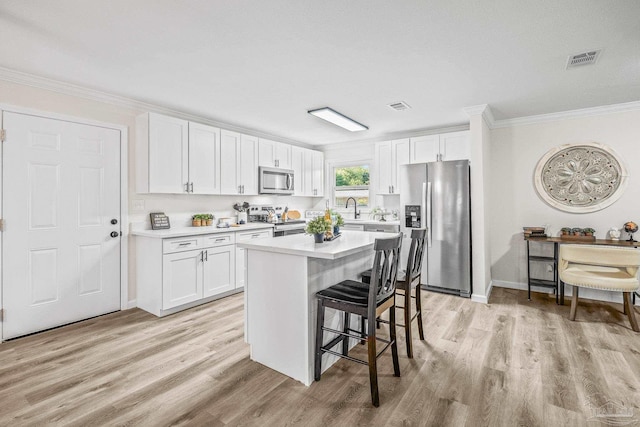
x: 132, y: 304
x: 484, y: 299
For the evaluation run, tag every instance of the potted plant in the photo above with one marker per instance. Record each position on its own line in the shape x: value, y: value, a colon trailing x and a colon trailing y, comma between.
x: 588, y: 231
x: 318, y: 227
x: 196, y: 220
x: 565, y: 230
x: 339, y: 222
x: 576, y: 231
x: 208, y: 219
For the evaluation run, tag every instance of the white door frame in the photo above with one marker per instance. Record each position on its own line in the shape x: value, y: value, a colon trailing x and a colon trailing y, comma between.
x: 124, y: 192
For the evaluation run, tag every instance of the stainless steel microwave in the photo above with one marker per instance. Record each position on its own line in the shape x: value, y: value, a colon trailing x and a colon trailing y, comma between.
x: 275, y: 180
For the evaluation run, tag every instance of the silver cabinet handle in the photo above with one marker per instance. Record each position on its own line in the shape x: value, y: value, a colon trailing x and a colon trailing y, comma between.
x: 191, y: 184
x: 429, y: 208
x: 202, y: 256
x: 206, y: 255
x: 185, y: 244
x: 242, y: 188
x: 186, y: 187
x: 220, y: 239
x: 255, y: 236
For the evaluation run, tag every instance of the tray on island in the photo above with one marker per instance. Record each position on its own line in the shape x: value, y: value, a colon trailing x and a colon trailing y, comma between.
x: 578, y: 238
x: 334, y: 237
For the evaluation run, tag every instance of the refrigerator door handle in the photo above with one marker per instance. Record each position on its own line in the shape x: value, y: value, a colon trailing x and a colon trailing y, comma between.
x: 427, y: 204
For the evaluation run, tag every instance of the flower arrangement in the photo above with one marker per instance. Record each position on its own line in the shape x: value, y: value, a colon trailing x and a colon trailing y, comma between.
x: 318, y: 227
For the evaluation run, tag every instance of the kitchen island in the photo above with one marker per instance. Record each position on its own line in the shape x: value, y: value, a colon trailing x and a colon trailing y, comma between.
x: 283, y: 275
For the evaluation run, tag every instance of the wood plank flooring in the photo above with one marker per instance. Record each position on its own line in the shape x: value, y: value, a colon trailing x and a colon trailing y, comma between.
x: 511, y: 362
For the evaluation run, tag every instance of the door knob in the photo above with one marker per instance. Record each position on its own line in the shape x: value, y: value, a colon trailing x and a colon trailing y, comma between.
x: 114, y: 234
x: 114, y: 221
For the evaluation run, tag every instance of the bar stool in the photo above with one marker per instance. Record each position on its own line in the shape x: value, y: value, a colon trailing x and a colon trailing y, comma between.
x: 407, y: 280
x: 352, y: 297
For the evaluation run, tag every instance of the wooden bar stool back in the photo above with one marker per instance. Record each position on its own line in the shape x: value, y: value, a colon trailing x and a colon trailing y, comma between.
x: 408, y: 280
x: 601, y: 267
x: 367, y: 301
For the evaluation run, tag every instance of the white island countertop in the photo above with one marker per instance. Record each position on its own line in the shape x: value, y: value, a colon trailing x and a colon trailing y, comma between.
x: 193, y: 231
x: 349, y: 242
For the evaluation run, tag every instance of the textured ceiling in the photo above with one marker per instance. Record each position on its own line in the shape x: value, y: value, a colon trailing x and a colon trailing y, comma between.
x: 262, y: 64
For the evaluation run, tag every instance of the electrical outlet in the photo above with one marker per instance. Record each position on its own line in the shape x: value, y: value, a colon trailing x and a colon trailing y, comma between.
x: 549, y: 268
x: 137, y: 205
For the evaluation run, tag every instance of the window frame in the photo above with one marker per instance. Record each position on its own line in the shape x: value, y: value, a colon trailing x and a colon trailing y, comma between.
x: 345, y: 164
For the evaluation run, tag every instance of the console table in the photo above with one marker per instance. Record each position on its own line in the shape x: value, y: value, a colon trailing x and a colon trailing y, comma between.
x: 556, y: 283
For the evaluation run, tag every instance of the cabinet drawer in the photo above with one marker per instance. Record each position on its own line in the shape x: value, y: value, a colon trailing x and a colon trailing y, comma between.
x: 213, y: 240
x: 382, y: 228
x: 257, y: 234
x: 181, y: 244
x: 357, y: 227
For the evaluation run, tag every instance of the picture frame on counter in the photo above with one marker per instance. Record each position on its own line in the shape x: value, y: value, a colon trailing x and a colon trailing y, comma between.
x: 159, y: 221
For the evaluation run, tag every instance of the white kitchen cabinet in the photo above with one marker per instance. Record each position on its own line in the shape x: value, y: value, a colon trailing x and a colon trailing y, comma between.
x: 181, y: 278
x: 443, y: 147
x: 299, y: 171
x: 317, y: 173
x: 176, y: 156
x: 219, y: 270
x: 240, y: 261
x: 238, y: 163
x: 308, y: 169
x: 389, y: 155
x: 178, y: 273
x: 274, y: 154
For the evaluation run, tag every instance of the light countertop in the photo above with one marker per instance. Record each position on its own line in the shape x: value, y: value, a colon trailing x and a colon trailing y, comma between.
x: 350, y: 242
x: 371, y: 221
x: 196, y: 231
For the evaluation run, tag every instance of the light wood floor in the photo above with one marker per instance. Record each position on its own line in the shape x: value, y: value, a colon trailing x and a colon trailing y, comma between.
x: 512, y: 362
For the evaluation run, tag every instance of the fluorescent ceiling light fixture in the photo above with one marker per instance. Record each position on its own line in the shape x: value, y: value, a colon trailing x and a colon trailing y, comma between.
x: 338, y: 119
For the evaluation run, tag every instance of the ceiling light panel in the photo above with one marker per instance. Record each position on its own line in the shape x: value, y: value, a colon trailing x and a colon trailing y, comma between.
x: 338, y: 119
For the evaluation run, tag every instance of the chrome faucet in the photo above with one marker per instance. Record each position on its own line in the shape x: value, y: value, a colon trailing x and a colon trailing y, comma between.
x: 356, y: 213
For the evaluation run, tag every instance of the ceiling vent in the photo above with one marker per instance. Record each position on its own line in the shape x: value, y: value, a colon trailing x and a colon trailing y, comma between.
x: 584, y: 58
x: 399, y: 106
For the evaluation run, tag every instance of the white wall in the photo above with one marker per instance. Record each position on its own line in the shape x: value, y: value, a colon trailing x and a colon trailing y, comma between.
x: 514, y: 203
x: 179, y: 207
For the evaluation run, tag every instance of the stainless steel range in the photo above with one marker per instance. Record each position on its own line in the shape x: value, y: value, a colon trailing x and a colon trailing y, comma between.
x: 272, y: 214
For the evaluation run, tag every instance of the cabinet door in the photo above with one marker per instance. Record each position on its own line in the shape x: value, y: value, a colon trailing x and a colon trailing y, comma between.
x: 400, y: 156
x: 267, y: 153
x: 425, y: 149
x: 297, y: 164
x: 384, y: 171
x: 181, y: 278
x: 168, y: 154
x: 240, y: 264
x: 204, y: 159
x: 283, y: 155
x: 229, y: 160
x: 317, y: 166
x: 248, y: 165
x: 455, y: 146
x: 219, y: 270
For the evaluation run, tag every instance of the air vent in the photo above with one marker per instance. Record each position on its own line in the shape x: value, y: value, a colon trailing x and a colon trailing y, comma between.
x: 399, y: 106
x: 584, y: 58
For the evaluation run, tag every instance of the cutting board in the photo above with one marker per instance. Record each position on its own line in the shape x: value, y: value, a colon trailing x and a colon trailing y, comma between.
x: 293, y: 215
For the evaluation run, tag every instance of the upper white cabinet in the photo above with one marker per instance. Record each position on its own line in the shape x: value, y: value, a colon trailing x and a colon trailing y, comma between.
x: 176, y: 156
x: 389, y: 155
x: 308, y: 170
x: 446, y: 146
x: 317, y: 173
x: 238, y: 163
x: 274, y: 154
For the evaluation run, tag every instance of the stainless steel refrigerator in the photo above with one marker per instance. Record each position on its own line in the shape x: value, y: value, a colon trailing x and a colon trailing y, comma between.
x: 436, y: 196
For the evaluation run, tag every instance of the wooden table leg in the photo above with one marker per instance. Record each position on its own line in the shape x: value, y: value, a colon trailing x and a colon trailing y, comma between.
x: 574, y: 303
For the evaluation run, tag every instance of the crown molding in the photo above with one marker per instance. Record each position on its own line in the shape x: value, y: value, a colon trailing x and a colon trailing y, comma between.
x: 571, y: 114
x: 482, y: 110
x: 136, y: 106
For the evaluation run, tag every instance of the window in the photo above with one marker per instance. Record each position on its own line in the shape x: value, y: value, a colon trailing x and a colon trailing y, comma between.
x: 351, y: 181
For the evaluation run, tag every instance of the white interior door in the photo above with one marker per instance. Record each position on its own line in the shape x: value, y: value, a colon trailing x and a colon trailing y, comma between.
x: 61, y: 197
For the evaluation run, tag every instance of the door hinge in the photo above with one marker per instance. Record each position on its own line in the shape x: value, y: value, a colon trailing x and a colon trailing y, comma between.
x: 3, y: 135
x: 1, y: 314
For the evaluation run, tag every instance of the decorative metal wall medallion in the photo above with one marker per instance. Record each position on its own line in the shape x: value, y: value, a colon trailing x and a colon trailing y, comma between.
x: 580, y: 178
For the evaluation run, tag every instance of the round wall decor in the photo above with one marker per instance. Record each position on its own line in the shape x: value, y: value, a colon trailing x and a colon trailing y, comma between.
x: 580, y: 178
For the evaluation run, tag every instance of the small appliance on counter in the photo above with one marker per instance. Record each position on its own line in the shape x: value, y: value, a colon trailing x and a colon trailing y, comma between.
x: 273, y: 214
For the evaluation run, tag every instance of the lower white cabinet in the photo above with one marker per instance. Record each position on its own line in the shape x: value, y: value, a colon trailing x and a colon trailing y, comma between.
x: 181, y: 272
x: 240, y: 264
